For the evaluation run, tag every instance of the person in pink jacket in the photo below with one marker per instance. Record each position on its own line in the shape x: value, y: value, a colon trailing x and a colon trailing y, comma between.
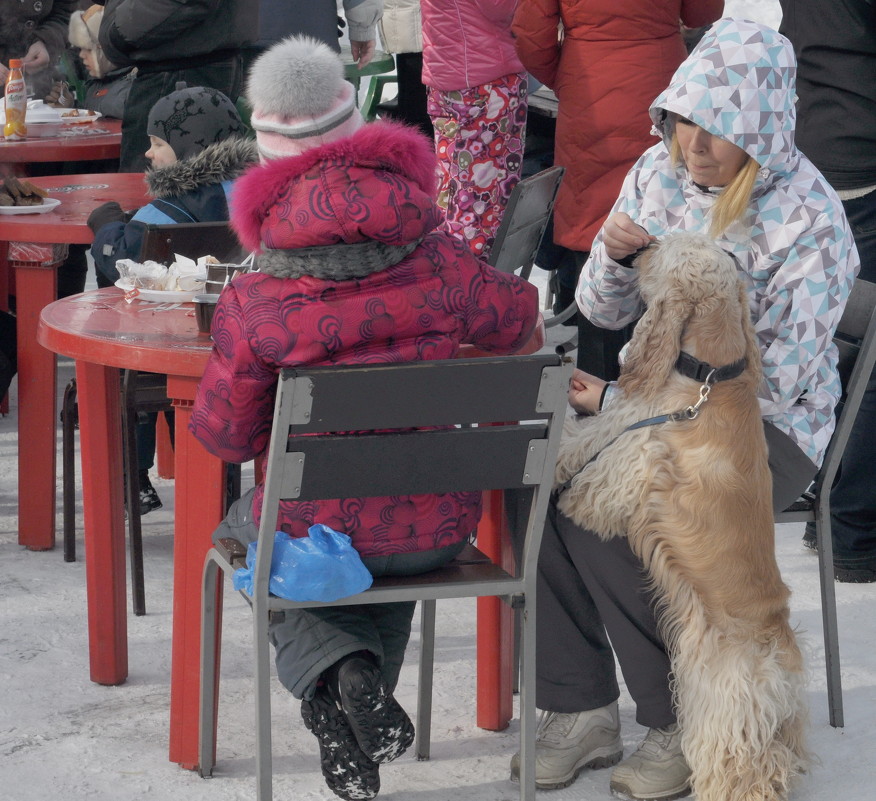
x: 352, y: 269
x: 477, y: 102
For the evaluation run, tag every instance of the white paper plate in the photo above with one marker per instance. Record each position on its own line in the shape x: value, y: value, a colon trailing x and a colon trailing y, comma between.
x: 38, y: 112
x: 49, y: 203
x: 83, y: 117
x: 159, y: 295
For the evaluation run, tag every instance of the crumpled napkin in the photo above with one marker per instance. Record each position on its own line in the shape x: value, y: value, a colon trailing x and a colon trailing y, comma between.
x: 184, y: 275
x: 187, y: 275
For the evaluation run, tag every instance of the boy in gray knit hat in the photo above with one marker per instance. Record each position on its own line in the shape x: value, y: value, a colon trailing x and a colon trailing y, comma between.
x: 190, y: 120
x: 199, y: 130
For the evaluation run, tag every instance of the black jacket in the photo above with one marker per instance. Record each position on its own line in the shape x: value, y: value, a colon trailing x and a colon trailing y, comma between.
x: 22, y: 23
x: 156, y: 35
x: 835, y: 43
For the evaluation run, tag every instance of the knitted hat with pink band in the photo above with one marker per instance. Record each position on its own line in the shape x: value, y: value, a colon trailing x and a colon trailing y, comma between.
x: 299, y: 98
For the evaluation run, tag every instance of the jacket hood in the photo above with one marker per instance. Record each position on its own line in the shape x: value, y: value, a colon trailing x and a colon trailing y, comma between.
x: 738, y: 84
x: 222, y: 161
x: 377, y: 185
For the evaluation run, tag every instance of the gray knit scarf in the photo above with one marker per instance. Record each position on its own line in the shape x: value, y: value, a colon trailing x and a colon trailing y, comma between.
x: 341, y: 262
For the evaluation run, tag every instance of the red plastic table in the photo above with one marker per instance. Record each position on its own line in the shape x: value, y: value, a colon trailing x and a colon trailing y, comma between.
x: 103, y: 332
x: 36, y: 287
x: 63, y: 142
x: 81, y: 142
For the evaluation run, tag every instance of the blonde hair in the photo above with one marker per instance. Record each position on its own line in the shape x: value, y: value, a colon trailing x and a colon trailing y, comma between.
x: 733, y: 202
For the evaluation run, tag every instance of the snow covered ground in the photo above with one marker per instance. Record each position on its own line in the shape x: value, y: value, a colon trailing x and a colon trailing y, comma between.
x: 63, y: 737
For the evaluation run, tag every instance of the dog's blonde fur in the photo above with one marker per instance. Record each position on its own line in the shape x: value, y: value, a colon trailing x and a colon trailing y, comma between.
x: 694, y: 498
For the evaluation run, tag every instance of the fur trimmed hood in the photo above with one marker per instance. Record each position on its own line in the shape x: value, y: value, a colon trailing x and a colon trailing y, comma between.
x: 377, y: 185
x: 223, y: 161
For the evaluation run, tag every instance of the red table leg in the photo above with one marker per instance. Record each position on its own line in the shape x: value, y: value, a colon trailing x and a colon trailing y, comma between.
x: 100, y: 438
x: 495, y: 626
x: 163, y: 449
x: 4, y: 303
x: 37, y: 420
x: 199, y: 497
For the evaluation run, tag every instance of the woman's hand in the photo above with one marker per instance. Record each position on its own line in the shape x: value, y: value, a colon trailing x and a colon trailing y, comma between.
x: 362, y: 52
x: 37, y: 57
x: 585, y: 392
x: 622, y: 237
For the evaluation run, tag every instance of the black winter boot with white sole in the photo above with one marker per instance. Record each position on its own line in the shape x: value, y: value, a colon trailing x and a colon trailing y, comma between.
x: 149, y: 500
x: 348, y: 772
x: 382, y: 728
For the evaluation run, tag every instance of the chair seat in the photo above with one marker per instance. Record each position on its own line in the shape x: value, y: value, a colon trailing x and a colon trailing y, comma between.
x: 471, y: 567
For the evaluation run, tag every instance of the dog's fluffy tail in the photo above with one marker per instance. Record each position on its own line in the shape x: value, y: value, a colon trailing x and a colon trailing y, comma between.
x: 740, y: 695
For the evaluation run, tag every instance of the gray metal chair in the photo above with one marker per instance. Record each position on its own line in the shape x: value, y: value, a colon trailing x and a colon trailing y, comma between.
x: 856, y: 340
x: 524, y: 220
x: 469, y: 395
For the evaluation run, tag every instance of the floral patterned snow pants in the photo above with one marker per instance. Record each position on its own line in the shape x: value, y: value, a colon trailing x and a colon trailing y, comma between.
x: 479, y: 138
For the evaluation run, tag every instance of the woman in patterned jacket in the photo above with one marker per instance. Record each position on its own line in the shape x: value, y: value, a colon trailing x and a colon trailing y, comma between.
x: 352, y: 270
x: 726, y: 166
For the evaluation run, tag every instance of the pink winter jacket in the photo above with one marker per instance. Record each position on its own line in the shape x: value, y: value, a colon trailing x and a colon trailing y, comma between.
x: 467, y: 43
x: 317, y: 219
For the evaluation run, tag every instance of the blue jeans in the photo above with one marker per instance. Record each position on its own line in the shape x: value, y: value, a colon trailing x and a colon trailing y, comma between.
x: 853, y: 498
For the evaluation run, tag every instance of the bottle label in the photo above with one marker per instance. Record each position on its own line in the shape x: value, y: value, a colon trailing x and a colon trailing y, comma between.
x: 15, y: 94
x: 16, y: 108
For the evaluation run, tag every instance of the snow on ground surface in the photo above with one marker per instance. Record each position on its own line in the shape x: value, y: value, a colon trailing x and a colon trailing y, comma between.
x: 63, y: 737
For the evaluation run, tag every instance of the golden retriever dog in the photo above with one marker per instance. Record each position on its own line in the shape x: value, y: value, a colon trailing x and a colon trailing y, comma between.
x: 693, y: 496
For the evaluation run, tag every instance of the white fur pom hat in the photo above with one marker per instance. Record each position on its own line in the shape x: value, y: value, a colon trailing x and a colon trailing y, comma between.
x: 299, y: 98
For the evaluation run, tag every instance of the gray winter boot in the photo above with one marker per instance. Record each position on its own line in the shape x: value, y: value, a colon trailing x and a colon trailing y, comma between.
x: 567, y: 743
x: 657, y: 771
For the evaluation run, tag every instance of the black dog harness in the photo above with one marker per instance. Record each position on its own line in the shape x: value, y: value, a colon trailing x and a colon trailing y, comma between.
x: 690, y: 367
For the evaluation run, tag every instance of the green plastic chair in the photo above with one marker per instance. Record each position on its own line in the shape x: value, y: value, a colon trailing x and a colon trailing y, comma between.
x: 377, y: 70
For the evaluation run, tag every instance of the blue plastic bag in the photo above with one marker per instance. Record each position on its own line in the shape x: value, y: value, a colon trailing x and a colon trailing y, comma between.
x: 323, y: 566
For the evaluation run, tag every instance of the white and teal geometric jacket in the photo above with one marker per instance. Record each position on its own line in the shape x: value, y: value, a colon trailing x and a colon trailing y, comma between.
x: 794, y: 247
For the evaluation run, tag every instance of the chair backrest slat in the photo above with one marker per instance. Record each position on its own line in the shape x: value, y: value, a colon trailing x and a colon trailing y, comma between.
x: 431, y: 393
x: 524, y: 220
x: 858, y: 310
x: 856, y: 341
x: 852, y: 330
x: 193, y: 240
x: 411, y: 463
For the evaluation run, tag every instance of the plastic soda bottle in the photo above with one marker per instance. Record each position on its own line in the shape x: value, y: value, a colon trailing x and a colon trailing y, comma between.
x: 16, y: 102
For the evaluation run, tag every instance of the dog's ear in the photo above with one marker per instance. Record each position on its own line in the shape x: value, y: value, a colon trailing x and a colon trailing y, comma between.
x: 656, y: 344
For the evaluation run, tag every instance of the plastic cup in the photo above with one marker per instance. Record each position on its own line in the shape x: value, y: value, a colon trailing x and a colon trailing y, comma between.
x: 205, y: 305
